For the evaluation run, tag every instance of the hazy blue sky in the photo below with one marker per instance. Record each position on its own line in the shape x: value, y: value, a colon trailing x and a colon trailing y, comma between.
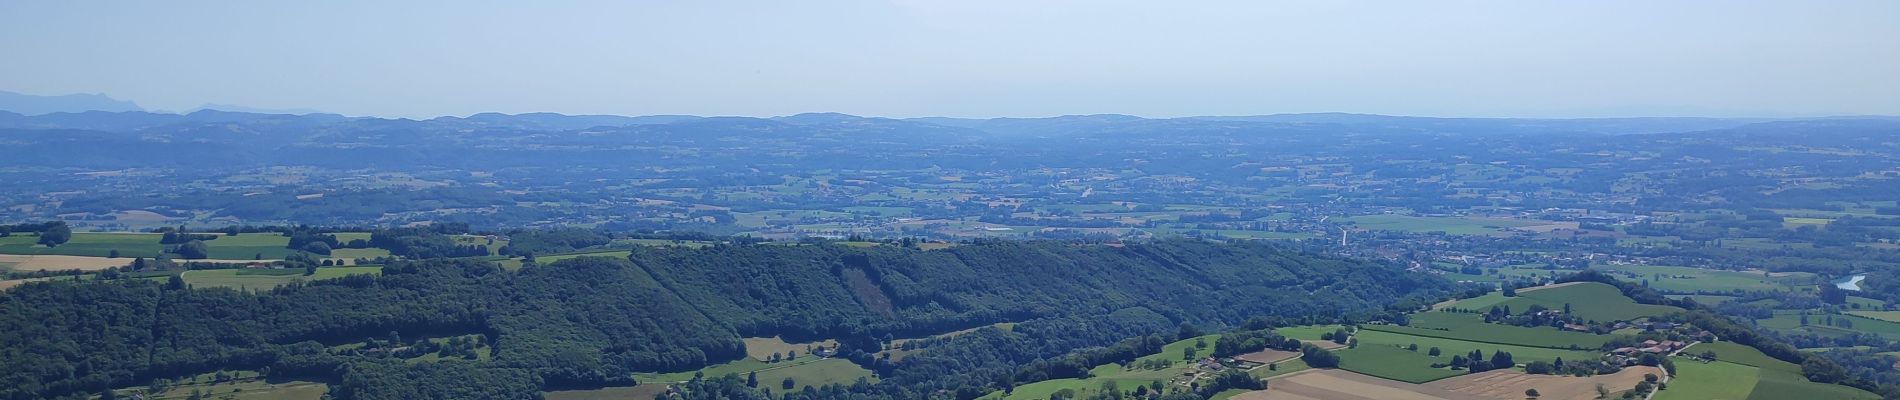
x: 967, y: 58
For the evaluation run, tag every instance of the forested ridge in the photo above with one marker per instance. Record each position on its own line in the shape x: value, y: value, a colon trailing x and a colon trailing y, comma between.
x: 595, y: 320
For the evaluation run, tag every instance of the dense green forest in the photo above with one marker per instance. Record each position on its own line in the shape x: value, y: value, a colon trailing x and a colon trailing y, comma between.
x: 594, y: 320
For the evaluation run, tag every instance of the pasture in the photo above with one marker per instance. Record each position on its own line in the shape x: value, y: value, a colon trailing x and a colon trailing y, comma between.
x: 1778, y: 384
x: 494, y: 246
x: 346, y: 237
x: 1280, y: 368
x: 1173, y: 351
x: 1045, y: 389
x: 1744, y: 355
x: 1831, y: 325
x: 1100, y: 375
x: 1123, y: 376
x: 818, y: 373
x: 352, y: 254
x: 246, y: 246
x: 762, y: 349
x: 1449, y: 271
x: 1589, y: 300
x: 482, y: 352
x: 1737, y: 376
x: 18, y: 262
x: 1709, y: 381
x: 1450, y: 347
x: 96, y: 244
x: 264, y: 279
x: 1503, y: 385
x: 805, y: 370
x: 1686, y: 279
x: 1472, y: 327
x: 245, y: 385
x: 897, y: 353
x: 644, y: 391
x: 88, y: 244
x: 1395, y: 363
x: 1305, y: 332
x: 1479, y: 303
x: 1889, y: 316
x: 1703, y: 298
x: 515, y: 263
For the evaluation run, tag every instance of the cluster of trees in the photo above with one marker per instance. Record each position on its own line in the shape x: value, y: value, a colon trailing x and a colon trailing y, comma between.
x: 433, y: 241
x: 1229, y: 379
x: 1243, y: 342
x: 55, y: 233
x: 1535, y: 316
x: 51, y: 233
x: 1475, y: 362
x: 30, y: 227
x: 177, y: 237
x: 191, y: 250
x: 1578, y: 367
x: 463, y: 347
x: 595, y: 320
x: 1317, y: 357
x: 545, y: 241
x: 318, y: 243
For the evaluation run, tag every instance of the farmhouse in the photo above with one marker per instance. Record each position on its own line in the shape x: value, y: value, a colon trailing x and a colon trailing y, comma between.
x: 1650, y: 346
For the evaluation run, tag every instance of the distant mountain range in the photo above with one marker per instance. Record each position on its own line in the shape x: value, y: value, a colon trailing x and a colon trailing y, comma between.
x: 1099, y: 125
x: 101, y: 112
x: 37, y: 105
x: 254, y: 110
x: 27, y: 104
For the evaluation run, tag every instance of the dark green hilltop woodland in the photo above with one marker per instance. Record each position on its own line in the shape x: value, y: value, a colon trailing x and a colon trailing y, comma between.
x: 593, y: 321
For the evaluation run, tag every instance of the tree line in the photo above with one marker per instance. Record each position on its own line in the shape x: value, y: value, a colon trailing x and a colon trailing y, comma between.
x: 593, y: 321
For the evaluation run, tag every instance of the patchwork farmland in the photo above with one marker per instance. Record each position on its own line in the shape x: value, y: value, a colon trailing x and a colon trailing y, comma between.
x: 1414, y: 361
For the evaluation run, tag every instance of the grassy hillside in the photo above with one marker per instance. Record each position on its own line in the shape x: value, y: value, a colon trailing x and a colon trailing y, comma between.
x: 253, y: 279
x: 1594, y: 301
x: 92, y: 244
x: 1710, y: 381
x: 1739, y: 354
x: 1472, y: 327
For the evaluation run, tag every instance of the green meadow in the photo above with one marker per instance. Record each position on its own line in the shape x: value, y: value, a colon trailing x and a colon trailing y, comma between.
x: 1776, y: 384
x: 1889, y: 316
x: 1590, y: 300
x: 1718, y: 380
x: 1396, y: 363
x: 1450, y: 347
x: 1686, y: 279
x: 1124, y: 377
x: 260, y: 279
x: 1831, y: 325
x: 804, y: 371
x: 1740, y: 354
x: 1703, y: 298
x: 643, y: 391
x: 94, y: 244
x: 1472, y: 327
